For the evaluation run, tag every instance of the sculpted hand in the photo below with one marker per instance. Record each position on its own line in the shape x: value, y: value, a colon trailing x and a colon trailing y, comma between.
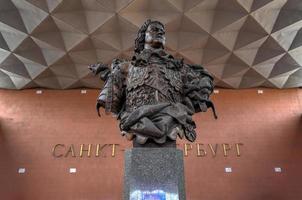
x: 97, y: 68
x: 98, y: 106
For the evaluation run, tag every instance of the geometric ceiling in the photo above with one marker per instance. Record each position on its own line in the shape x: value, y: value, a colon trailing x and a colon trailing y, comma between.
x: 242, y: 43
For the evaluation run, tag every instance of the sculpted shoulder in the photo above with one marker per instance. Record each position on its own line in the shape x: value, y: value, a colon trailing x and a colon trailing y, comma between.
x: 121, y: 65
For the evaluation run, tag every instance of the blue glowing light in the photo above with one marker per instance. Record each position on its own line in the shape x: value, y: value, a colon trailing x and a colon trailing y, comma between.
x: 152, y: 195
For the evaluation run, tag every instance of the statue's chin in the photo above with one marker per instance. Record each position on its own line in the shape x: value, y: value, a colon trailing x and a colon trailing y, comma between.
x: 157, y: 45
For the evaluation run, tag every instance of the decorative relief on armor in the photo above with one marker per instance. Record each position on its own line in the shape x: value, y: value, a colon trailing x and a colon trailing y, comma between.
x: 174, y: 78
x: 136, y: 76
x: 143, y: 95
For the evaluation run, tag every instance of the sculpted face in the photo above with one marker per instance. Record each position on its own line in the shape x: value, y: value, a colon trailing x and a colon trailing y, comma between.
x: 155, y: 36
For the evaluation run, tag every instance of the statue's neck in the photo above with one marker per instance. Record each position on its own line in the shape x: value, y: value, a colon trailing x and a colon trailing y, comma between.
x: 149, y: 47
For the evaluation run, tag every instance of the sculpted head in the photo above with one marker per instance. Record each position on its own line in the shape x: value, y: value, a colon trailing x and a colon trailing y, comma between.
x: 150, y: 36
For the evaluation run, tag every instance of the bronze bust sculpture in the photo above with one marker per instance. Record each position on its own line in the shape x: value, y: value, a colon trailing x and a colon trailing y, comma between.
x: 154, y: 95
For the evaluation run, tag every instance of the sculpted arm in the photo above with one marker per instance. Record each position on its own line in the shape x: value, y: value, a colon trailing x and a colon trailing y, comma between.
x: 112, y: 96
x: 198, y: 88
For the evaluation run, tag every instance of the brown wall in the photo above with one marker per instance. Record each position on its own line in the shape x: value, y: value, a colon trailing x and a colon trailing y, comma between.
x: 269, y: 125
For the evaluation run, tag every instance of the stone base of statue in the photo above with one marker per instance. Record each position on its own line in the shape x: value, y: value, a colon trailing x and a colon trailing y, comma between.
x: 154, y: 173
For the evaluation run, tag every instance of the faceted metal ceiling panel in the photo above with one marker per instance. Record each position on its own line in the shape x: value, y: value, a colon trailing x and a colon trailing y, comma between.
x: 243, y: 43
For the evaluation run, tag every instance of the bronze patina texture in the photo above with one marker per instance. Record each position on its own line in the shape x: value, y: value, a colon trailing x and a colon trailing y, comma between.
x: 154, y: 95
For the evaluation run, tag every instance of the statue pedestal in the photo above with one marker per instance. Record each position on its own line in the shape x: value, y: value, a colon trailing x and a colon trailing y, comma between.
x: 154, y: 173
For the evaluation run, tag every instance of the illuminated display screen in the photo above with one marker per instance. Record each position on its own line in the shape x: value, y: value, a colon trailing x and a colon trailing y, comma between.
x: 153, y: 195
x: 156, y: 196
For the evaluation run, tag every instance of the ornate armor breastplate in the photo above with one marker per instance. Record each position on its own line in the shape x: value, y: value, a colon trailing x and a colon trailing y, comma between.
x: 153, y: 84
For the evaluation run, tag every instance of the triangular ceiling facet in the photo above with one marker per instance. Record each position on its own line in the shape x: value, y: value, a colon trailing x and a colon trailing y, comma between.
x: 242, y: 43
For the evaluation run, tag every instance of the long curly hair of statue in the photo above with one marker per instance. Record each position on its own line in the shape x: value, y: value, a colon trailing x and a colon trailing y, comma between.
x: 140, y: 39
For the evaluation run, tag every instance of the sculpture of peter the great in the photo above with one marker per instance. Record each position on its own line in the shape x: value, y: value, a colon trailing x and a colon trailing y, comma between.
x: 154, y: 95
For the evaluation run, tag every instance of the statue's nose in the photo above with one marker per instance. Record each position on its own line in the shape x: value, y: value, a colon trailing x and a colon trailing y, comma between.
x: 161, y: 32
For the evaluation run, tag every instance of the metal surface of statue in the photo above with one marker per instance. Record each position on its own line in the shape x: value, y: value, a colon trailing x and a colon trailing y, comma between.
x: 154, y: 95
